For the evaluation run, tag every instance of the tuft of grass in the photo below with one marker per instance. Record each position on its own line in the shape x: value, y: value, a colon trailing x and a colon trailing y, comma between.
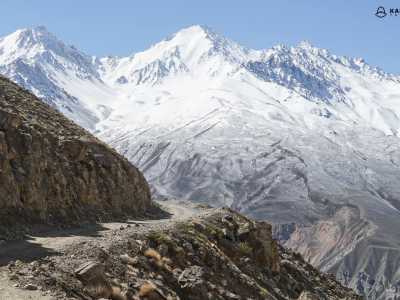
x: 162, y: 238
x: 147, y: 289
x: 159, y: 237
x: 245, y: 249
x: 116, y: 294
x: 264, y: 293
x: 213, y: 231
x: 153, y: 254
x: 185, y: 227
x: 167, y: 260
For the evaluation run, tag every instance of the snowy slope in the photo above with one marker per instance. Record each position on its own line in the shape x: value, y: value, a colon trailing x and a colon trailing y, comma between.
x: 294, y: 135
x: 61, y: 75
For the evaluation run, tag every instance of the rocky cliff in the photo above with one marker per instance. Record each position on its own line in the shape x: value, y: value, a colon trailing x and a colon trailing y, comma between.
x: 53, y: 171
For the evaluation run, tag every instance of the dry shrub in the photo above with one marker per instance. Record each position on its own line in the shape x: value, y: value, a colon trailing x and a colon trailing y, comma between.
x: 151, y: 253
x: 147, y: 289
x: 116, y: 294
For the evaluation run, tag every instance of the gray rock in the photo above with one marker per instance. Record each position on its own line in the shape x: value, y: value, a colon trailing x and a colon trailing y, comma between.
x: 90, y: 271
x: 30, y: 287
x: 191, y: 276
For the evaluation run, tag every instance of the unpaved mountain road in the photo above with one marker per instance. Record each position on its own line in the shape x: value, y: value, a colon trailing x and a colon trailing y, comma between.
x: 9, y: 292
x: 53, y: 243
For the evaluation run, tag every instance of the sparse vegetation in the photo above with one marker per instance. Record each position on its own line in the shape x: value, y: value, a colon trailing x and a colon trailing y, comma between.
x: 245, y: 249
x: 147, y: 289
x: 152, y: 254
x: 209, y: 258
x: 116, y: 294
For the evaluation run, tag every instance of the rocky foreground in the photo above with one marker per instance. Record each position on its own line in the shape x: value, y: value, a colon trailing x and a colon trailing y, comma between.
x: 54, y: 172
x: 214, y: 254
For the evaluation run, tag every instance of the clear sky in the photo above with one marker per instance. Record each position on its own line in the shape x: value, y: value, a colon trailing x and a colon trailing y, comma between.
x: 121, y: 27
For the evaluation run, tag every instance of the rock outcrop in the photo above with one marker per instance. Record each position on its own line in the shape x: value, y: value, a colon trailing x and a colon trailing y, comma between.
x: 53, y: 171
x: 218, y: 254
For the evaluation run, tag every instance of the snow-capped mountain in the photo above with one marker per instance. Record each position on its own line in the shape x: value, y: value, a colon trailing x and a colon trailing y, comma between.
x: 294, y: 135
x: 61, y: 75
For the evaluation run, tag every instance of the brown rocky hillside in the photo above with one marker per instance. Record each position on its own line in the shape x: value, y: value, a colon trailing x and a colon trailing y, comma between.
x: 53, y: 171
x: 211, y: 254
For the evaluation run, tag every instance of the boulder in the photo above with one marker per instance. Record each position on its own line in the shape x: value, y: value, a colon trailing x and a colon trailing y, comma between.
x: 90, y: 272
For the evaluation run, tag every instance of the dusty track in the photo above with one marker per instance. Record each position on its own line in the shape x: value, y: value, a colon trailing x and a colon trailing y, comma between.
x: 53, y: 243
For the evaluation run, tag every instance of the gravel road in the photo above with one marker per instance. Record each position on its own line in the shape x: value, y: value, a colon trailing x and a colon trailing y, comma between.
x: 53, y: 243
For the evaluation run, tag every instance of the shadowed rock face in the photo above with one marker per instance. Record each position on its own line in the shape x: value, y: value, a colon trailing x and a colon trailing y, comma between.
x: 53, y: 171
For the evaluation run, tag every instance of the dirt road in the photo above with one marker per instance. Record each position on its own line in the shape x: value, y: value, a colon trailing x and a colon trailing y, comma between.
x: 53, y: 243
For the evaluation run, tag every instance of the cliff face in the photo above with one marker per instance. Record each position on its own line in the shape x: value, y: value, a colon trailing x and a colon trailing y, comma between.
x: 53, y: 171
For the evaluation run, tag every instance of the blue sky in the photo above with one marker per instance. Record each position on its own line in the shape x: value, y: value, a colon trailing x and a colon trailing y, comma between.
x: 121, y: 27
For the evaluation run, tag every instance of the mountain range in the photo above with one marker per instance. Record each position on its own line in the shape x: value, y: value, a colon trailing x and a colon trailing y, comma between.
x: 294, y: 135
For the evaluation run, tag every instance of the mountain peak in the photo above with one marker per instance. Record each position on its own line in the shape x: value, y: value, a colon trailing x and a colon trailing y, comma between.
x: 305, y: 44
x: 193, y: 31
x: 36, y: 31
x: 36, y: 50
x: 195, y: 35
x: 41, y: 28
x: 30, y: 36
x: 207, y: 42
x: 37, y: 42
x: 27, y: 42
x: 190, y: 45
